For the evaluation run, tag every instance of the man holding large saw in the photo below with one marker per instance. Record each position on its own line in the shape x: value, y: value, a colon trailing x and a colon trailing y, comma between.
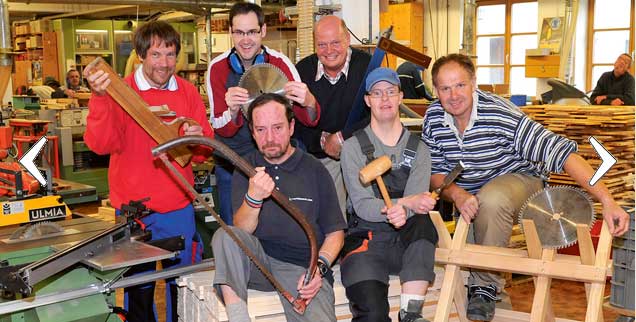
x: 248, y: 29
x: 272, y: 235
x: 507, y: 156
x: 382, y: 240
x: 133, y: 173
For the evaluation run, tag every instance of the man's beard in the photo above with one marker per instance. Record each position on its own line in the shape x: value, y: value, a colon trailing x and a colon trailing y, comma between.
x: 275, y: 154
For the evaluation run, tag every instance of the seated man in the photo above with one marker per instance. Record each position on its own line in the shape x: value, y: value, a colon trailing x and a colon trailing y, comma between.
x: 268, y: 231
x: 615, y: 87
x: 382, y: 241
x: 73, y: 84
x: 507, y: 157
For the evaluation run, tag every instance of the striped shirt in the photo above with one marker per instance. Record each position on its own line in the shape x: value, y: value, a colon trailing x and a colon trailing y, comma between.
x: 500, y: 139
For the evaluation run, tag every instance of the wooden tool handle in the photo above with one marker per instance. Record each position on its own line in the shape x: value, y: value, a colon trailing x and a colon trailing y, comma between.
x: 138, y: 109
x: 384, y: 192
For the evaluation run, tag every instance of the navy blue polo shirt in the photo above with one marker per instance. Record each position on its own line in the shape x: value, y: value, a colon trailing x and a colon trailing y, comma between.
x: 309, y: 186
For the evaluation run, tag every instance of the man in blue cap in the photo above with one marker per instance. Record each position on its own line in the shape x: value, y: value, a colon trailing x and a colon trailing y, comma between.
x: 381, y: 240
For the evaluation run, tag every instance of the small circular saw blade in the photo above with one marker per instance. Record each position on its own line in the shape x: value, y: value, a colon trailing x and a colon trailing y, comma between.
x: 556, y: 211
x: 37, y: 230
x: 260, y: 79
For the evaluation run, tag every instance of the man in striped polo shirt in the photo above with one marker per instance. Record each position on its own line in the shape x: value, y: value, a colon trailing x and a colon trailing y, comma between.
x: 507, y: 157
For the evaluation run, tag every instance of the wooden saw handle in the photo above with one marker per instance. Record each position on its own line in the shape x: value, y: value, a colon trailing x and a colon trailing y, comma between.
x: 139, y: 110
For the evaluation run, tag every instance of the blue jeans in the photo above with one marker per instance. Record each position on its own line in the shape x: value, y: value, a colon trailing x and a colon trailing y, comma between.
x: 224, y: 186
x: 179, y: 222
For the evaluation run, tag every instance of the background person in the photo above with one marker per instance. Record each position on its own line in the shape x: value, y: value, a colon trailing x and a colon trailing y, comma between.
x: 617, y: 86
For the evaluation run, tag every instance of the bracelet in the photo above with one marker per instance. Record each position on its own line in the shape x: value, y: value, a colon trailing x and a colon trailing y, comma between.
x: 324, y: 260
x: 340, y: 138
x: 253, y: 203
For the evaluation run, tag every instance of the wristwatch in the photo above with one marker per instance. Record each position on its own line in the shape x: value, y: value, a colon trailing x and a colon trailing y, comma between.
x: 323, y: 269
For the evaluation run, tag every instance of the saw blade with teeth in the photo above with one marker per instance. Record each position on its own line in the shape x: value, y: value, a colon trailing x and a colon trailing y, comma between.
x: 556, y: 211
x: 260, y: 79
x: 37, y: 230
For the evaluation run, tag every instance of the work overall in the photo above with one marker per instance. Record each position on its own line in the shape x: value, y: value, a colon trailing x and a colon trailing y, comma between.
x: 374, y: 250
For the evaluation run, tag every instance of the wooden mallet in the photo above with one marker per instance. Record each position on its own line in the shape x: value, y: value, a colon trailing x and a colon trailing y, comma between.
x: 374, y: 170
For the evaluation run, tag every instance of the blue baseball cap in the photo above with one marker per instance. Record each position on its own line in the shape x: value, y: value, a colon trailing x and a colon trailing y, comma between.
x: 382, y: 74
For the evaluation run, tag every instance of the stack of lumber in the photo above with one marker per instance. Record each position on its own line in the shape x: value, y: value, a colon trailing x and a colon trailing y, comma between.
x: 58, y: 103
x: 612, y: 126
x: 305, y: 27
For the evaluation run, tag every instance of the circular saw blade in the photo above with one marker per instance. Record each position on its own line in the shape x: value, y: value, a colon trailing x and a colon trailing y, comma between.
x: 37, y: 230
x: 260, y: 79
x: 555, y: 212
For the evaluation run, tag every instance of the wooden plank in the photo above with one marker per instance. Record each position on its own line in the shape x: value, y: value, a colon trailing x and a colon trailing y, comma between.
x: 527, y: 266
x: 586, y: 249
x: 541, y: 304
x: 595, y: 301
x: 452, y: 290
x: 138, y: 109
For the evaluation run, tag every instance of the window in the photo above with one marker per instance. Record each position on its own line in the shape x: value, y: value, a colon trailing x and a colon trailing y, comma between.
x: 611, y: 24
x: 505, y: 29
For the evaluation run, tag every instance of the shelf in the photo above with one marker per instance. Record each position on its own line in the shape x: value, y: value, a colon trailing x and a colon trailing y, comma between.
x: 102, y: 52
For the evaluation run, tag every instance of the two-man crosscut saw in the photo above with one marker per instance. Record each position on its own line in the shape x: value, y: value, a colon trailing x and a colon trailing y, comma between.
x: 167, y: 135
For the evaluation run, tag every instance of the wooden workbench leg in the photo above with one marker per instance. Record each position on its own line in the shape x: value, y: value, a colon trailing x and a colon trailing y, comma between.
x: 452, y: 289
x: 597, y: 289
x: 541, y: 304
x: 586, y: 249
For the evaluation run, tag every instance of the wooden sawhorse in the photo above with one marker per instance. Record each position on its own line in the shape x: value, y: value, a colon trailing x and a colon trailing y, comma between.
x: 543, y: 264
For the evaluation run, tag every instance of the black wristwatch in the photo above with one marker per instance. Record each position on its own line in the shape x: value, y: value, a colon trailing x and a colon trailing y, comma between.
x: 323, y: 269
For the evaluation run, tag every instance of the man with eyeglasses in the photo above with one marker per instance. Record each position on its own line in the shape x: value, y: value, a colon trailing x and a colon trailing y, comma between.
x: 382, y: 241
x: 334, y: 74
x: 617, y: 86
x: 507, y: 157
x: 248, y: 29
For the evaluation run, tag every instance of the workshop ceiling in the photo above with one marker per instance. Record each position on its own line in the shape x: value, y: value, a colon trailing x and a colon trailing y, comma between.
x: 179, y: 10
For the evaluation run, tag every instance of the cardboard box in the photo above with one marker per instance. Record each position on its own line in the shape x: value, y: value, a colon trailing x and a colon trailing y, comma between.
x: 39, y: 26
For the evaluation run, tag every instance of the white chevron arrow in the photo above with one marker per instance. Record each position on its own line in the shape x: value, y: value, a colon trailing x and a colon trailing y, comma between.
x: 608, y: 160
x: 27, y: 160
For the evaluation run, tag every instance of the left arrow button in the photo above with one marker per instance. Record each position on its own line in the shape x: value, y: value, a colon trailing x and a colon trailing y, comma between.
x: 27, y: 160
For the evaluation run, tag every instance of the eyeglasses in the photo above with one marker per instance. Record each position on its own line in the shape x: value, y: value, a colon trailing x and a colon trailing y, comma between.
x: 336, y: 44
x: 249, y: 33
x: 378, y: 93
x: 447, y: 89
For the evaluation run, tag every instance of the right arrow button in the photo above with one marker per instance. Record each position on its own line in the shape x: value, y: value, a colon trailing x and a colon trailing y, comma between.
x: 608, y: 160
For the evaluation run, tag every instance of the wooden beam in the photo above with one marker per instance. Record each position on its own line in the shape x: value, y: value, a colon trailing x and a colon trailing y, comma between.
x: 541, y: 304
x: 138, y: 109
x: 527, y: 266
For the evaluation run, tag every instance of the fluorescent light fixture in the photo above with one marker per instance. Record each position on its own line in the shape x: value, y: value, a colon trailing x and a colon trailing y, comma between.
x: 91, y: 31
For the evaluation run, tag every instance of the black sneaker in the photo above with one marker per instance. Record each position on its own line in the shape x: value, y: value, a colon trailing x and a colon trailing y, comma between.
x: 481, y: 302
x: 413, y: 312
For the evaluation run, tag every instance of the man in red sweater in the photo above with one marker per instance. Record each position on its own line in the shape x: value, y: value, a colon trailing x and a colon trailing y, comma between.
x: 133, y: 173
